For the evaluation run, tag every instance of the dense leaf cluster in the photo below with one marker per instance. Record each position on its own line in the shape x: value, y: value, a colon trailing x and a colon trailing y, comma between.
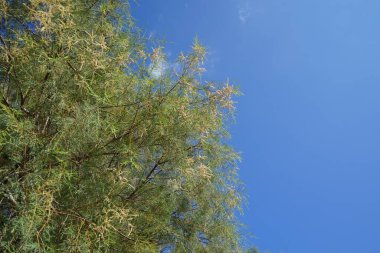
x: 105, y: 146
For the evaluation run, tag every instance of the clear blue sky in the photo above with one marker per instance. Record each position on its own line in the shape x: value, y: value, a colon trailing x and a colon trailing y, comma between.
x: 308, y: 123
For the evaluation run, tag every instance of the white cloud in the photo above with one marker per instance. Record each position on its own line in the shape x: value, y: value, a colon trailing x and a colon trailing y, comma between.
x: 158, y: 69
x: 244, y: 12
x: 152, y: 35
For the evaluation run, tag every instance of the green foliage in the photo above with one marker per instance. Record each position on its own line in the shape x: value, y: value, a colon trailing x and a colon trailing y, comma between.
x: 102, y: 149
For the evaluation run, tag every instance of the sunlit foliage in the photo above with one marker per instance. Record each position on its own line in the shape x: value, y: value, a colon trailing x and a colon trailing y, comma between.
x: 104, y: 145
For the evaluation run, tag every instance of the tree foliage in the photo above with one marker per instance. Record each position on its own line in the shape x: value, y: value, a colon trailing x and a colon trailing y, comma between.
x: 101, y: 148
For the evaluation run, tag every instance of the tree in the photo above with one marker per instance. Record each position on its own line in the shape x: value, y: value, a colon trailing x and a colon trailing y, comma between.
x: 101, y: 148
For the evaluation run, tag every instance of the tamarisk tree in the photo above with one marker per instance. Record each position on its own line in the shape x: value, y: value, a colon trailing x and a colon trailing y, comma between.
x: 102, y: 149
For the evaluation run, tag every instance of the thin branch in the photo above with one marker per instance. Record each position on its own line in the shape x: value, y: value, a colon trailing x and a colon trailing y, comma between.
x: 4, y: 44
x: 72, y: 67
x: 125, y: 133
x: 147, y: 178
x: 80, y: 217
x: 122, y: 105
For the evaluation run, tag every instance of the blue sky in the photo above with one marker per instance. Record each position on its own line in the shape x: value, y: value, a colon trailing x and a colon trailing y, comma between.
x: 308, y: 123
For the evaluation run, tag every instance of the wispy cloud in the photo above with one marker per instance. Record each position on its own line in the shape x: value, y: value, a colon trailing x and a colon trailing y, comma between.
x: 244, y: 12
x: 152, y: 34
x: 163, y: 66
x: 159, y: 68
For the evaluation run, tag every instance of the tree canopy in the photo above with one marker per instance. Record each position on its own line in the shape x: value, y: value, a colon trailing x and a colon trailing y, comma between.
x: 105, y: 146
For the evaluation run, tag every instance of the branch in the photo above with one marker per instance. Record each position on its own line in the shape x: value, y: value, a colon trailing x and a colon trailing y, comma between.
x: 72, y: 67
x: 4, y: 44
x: 5, y: 102
x: 147, y: 178
x: 11, y: 198
x: 122, y: 105
x: 80, y: 217
x: 125, y: 133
